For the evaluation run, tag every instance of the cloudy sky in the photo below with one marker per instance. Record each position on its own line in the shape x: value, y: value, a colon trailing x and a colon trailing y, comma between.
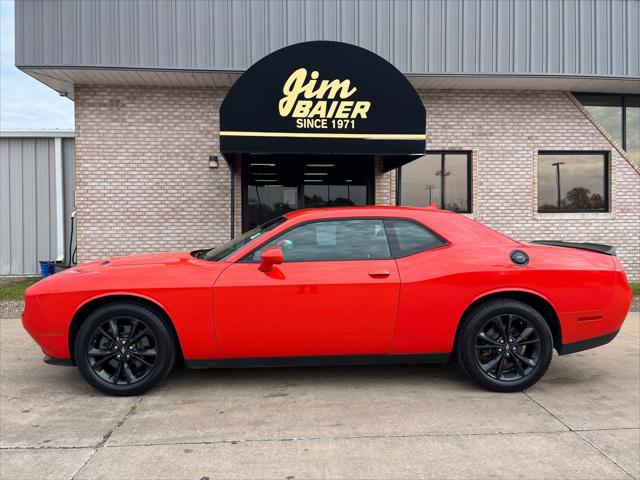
x: 25, y: 103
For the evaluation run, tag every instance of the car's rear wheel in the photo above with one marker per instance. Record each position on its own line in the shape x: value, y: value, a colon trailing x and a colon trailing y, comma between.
x: 505, y: 345
x: 124, y: 349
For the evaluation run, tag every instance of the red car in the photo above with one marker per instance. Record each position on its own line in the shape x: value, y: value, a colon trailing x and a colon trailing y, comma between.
x: 334, y: 286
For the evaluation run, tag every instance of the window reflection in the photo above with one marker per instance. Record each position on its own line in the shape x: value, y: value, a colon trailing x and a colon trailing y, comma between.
x: 335, y: 195
x: 269, y: 201
x: 572, y: 182
x: 633, y: 131
x: 619, y: 115
x: 440, y: 178
x: 454, y: 183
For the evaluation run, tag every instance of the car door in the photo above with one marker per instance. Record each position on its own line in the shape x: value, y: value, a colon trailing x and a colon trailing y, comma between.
x: 336, y: 293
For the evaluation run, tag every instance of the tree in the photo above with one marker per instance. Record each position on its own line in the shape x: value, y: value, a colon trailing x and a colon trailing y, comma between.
x: 580, y: 198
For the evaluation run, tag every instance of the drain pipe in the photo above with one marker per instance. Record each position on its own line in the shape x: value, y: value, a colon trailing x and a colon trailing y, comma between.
x: 59, y: 200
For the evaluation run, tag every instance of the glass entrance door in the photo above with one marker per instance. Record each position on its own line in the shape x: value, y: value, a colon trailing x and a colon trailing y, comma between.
x: 276, y: 184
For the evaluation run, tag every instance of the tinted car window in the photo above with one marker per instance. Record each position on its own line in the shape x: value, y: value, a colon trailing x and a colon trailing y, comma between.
x: 224, y: 251
x: 408, y: 238
x: 332, y: 240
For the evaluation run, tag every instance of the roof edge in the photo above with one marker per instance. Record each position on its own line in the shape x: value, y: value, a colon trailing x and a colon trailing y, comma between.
x: 37, y: 133
x: 582, y: 76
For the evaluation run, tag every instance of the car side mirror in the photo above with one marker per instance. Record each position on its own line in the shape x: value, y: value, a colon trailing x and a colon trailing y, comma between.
x: 270, y: 257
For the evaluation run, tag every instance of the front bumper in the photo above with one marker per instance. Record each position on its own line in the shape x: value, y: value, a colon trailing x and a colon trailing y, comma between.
x: 50, y: 336
x: 574, y: 347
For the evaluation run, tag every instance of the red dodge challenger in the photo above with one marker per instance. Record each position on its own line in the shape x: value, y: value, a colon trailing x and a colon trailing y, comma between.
x: 334, y: 286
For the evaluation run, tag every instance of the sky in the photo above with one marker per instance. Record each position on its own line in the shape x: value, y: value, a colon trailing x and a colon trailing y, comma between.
x: 25, y: 103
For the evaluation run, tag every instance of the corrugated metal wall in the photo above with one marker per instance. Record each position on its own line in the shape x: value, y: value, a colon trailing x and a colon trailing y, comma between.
x: 28, y: 229
x: 578, y: 37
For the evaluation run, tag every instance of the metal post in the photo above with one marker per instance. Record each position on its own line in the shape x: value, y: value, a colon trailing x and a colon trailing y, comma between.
x: 557, y: 165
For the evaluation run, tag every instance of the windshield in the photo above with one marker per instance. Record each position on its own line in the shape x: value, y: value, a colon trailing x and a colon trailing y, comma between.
x: 224, y: 251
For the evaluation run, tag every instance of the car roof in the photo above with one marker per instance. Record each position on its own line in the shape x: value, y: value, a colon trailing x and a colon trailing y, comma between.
x: 449, y: 225
x: 382, y: 210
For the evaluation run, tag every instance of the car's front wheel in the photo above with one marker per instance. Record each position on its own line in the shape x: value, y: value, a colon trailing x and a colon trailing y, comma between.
x: 124, y: 349
x: 505, y: 345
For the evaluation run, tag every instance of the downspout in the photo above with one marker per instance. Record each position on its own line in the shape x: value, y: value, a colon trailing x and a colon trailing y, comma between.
x: 59, y: 200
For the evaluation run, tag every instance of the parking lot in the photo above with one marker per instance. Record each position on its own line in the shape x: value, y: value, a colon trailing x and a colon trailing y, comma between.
x: 581, y: 421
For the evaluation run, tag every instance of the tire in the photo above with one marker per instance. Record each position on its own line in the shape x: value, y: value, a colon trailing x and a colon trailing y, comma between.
x: 119, y: 363
x: 505, y: 360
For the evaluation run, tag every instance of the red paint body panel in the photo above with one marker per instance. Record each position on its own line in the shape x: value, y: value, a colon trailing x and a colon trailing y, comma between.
x: 306, y: 308
x: 178, y: 283
x: 230, y: 309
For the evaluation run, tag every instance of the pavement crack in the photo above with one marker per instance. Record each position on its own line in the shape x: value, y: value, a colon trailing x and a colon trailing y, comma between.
x: 294, y: 439
x: 107, y: 436
x: 546, y: 410
x: 577, y: 433
x: 604, y: 454
x: 342, y: 437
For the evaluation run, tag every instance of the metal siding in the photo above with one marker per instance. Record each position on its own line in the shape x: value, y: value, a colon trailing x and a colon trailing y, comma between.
x: 16, y: 252
x: 577, y: 37
x: 5, y: 209
x: 50, y: 199
x: 43, y: 214
x: 633, y: 39
x: 28, y: 202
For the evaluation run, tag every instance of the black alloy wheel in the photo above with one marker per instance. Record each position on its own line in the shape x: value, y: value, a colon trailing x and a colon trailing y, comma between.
x: 505, y: 345
x: 124, y: 348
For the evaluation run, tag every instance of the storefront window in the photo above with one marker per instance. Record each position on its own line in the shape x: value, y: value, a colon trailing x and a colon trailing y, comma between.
x: 619, y: 115
x: 632, y: 109
x: 277, y: 184
x: 573, y: 182
x: 443, y: 178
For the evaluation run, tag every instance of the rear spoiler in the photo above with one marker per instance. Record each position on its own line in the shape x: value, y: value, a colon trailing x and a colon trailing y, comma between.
x: 594, y: 247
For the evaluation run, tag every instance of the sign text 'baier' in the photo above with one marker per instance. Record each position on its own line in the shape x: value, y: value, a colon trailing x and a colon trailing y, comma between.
x: 316, y: 103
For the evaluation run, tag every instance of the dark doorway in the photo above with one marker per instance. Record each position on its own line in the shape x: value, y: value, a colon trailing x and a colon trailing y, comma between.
x: 277, y: 184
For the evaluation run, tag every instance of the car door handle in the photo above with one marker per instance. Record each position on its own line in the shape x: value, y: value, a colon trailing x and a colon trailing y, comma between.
x: 379, y: 274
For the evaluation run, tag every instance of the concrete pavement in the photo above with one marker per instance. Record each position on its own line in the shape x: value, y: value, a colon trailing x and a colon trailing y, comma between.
x: 581, y: 421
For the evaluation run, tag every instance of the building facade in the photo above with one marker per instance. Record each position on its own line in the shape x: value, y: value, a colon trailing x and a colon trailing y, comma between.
x: 532, y: 115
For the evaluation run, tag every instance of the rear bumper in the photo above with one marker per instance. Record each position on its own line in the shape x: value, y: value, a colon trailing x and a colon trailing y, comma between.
x: 574, y: 347
x: 60, y: 362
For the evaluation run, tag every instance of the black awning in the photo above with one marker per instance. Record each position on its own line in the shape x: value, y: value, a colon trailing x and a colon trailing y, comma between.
x: 326, y: 98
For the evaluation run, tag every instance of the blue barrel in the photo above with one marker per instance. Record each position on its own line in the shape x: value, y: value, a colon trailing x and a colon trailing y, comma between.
x: 46, y: 268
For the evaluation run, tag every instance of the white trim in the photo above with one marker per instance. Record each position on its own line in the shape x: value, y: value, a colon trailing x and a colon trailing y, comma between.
x: 37, y: 133
x: 575, y: 216
x: 59, y: 200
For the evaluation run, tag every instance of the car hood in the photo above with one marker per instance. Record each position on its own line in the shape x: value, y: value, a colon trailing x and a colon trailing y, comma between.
x: 144, y: 260
x: 156, y: 270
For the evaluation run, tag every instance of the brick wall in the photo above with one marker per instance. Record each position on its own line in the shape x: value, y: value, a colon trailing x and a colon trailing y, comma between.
x: 505, y: 130
x: 385, y: 184
x: 142, y: 177
x: 143, y: 183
